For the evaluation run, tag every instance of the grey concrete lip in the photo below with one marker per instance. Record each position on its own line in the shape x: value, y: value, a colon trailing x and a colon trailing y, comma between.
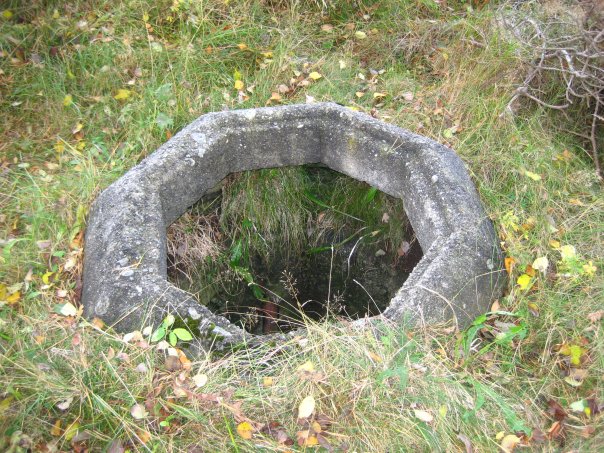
x: 125, y: 270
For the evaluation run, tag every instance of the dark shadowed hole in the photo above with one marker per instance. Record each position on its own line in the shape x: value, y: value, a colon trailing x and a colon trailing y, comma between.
x: 266, y: 248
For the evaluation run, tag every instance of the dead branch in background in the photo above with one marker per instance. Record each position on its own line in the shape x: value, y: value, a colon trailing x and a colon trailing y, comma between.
x: 567, y: 44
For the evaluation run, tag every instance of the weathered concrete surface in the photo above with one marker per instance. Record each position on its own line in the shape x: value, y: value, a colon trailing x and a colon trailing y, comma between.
x: 125, y: 251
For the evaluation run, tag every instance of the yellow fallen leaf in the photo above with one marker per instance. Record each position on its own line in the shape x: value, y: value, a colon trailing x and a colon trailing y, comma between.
x: 242, y: 46
x: 306, y: 439
x: 315, y: 75
x: 267, y: 381
x: 509, y: 442
x: 13, y: 298
x: 56, y: 430
x: 5, y: 405
x: 275, y: 97
x: 307, y: 366
x: 67, y: 100
x: 78, y: 127
x: 374, y: 356
x: 7, y: 14
x: 316, y: 427
x: 554, y: 244
x: 46, y: 277
x: 589, y: 268
x: 72, y: 430
x: 311, y: 441
x: 239, y: 85
x: 379, y: 95
x: 122, y: 94
x: 245, y: 430
x: 568, y: 252
x: 533, y: 176
x: 306, y: 407
x: 575, y: 352
x: 359, y: 94
x: 360, y: 35
x: 524, y: 281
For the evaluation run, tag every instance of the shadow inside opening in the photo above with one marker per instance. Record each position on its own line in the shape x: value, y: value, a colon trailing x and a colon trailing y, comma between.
x: 268, y: 248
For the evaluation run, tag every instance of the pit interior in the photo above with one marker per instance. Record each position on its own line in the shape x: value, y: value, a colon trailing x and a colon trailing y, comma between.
x: 267, y: 248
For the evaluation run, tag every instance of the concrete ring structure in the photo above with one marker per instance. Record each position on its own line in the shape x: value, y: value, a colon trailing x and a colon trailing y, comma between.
x: 125, y: 265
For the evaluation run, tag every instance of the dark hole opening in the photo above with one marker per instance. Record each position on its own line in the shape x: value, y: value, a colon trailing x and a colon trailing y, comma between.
x: 267, y: 248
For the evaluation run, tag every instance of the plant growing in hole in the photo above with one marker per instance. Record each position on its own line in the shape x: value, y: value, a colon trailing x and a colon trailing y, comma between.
x: 167, y: 331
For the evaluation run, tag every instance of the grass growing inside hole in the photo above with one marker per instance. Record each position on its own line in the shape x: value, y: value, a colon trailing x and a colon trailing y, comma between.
x: 271, y: 232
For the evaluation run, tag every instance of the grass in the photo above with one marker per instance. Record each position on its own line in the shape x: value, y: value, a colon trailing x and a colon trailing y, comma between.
x: 447, y: 73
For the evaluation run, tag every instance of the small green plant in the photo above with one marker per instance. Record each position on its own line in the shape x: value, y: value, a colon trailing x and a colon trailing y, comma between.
x: 166, y: 331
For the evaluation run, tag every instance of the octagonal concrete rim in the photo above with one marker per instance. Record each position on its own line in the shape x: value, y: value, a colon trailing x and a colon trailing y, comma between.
x: 125, y: 274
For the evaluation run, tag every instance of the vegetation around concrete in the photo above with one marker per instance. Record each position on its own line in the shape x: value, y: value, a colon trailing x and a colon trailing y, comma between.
x: 89, y: 88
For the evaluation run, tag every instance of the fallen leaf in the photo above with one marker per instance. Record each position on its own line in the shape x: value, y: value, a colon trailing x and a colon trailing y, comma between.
x: 575, y: 352
x: 267, y: 381
x: 555, y: 430
x: 568, y: 252
x: 173, y: 363
x: 56, y: 430
x: 245, y: 430
x: 306, y: 407
x: 132, y: 336
x: 509, y: 264
x: 556, y: 411
x: 541, y: 264
x: 122, y: 94
x: 78, y: 127
x: 524, y: 281
x: 424, y: 416
x: 315, y: 75
x: 64, y: 405
x: 138, y: 412
x: 533, y: 176
x: 595, y: 316
x: 72, y: 430
x: 509, y: 442
x: 239, y: 85
x: 307, y: 367
x: 306, y: 439
x: 13, y: 298
x: 360, y: 35
x: 589, y: 268
x: 327, y: 28
x: 200, y: 379
x: 98, y: 323
x: 66, y: 309
x: 143, y: 436
x: 67, y: 100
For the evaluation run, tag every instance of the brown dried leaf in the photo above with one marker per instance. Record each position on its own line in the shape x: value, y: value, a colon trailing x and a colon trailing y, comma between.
x: 556, y: 411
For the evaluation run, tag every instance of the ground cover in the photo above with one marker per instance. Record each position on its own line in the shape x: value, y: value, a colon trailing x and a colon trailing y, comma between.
x: 90, y: 88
